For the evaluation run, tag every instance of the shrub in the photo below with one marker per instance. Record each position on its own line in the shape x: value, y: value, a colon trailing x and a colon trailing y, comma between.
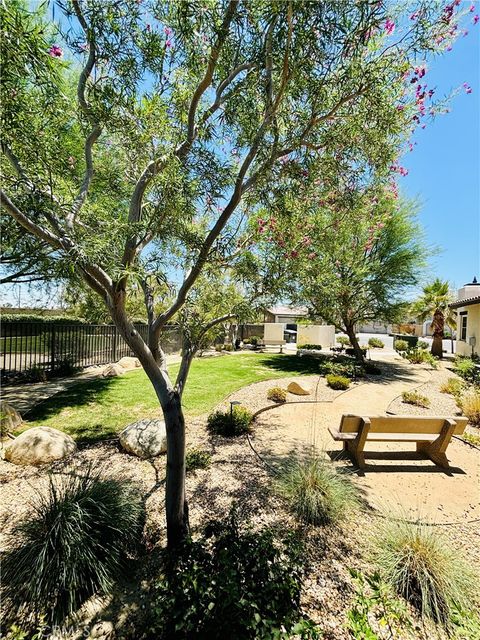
x: 255, y: 340
x: 413, y: 397
x: 228, y: 347
x: 422, y: 344
x: 453, y: 386
x: 197, y: 459
x: 314, y: 347
x: 376, y: 343
x: 347, y: 369
x: 230, y: 423
x: 277, y: 394
x: 470, y: 406
x: 424, y: 568
x: 316, y: 491
x: 73, y: 544
x: 466, y: 369
x: 417, y: 356
x: 35, y: 373
x: 401, y: 345
x: 231, y: 583
x: 472, y: 438
x: 337, y: 382
x: 219, y: 347
x: 343, y: 341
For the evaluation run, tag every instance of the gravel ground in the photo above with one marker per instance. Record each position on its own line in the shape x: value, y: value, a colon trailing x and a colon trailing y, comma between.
x: 235, y: 475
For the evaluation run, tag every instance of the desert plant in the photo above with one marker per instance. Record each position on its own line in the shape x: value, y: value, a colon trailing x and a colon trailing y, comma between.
x: 197, y: 459
x: 472, y: 438
x: 470, y: 405
x: 73, y: 544
x: 413, y: 397
x: 453, y: 386
x: 232, y: 583
x: 343, y: 341
x: 347, y: 369
x: 419, y: 356
x: 337, y: 382
x: 466, y: 368
x: 376, y: 343
x: 317, y: 492
x: 277, y: 394
x: 230, y: 423
x: 424, y: 568
x: 422, y: 344
x: 401, y: 345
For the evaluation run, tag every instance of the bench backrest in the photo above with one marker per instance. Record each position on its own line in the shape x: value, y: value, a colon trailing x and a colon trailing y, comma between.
x: 402, y: 424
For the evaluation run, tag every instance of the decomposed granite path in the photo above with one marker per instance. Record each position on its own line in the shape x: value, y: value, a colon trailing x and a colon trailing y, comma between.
x: 397, y: 479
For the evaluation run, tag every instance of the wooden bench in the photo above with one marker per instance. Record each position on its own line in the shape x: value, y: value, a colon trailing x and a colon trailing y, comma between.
x: 431, y: 434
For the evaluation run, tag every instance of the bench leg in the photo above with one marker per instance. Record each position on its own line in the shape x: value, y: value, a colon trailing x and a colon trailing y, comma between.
x: 436, y: 450
x: 355, y: 447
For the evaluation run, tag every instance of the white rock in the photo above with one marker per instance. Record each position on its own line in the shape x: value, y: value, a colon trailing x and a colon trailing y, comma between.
x: 129, y: 363
x: 145, y: 438
x: 9, y: 417
x: 113, y: 371
x: 39, y: 445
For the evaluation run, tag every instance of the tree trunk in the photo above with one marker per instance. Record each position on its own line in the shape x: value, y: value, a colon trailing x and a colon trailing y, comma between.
x: 438, y: 324
x: 350, y: 331
x: 170, y: 401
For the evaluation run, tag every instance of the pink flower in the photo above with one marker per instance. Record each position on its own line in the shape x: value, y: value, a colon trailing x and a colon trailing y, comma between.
x: 55, y: 51
x: 149, y: 28
x: 389, y: 27
x: 168, y: 31
x: 400, y: 107
x: 467, y: 87
x: 168, y: 44
x: 475, y: 19
x: 472, y: 8
x: 414, y: 16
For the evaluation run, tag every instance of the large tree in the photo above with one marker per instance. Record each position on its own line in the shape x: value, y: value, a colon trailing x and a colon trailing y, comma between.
x: 434, y: 303
x: 187, y: 114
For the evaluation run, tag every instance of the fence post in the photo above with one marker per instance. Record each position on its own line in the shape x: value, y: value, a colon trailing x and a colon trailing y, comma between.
x: 52, y: 348
x: 114, y: 346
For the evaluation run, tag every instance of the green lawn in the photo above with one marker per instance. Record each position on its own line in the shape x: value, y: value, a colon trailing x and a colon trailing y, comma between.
x: 99, y: 408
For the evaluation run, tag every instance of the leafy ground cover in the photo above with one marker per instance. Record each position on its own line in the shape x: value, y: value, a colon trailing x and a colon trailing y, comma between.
x: 97, y: 409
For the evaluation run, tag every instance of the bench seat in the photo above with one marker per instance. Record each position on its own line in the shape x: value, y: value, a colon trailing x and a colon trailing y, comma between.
x: 432, y: 434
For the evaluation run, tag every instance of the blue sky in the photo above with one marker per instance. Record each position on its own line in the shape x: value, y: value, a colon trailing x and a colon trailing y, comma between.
x: 444, y: 168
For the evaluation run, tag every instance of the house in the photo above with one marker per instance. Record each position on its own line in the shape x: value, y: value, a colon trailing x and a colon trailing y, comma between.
x: 467, y: 308
x: 285, y: 314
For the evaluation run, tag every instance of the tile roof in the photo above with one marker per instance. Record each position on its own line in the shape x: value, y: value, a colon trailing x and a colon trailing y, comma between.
x: 465, y: 302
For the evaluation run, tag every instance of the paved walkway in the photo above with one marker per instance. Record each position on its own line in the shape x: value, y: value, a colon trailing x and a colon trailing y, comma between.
x: 397, y: 479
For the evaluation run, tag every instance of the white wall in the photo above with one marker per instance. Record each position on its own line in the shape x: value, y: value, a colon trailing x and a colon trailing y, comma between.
x: 273, y: 332
x: 323, y: 334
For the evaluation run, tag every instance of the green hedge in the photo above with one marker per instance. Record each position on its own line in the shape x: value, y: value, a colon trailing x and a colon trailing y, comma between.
x: 18, y: 317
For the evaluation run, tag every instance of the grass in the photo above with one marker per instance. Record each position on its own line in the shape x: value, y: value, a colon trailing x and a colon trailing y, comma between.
x: 97, y: 409
x: 419, y: 562
x: 470, y: 406
x: 453, y: 386
x: 413, y: 397
x: 316, y: 491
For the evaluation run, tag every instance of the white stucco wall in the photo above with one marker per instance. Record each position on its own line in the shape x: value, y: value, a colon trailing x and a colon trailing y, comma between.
x: 463, y: 347
x: 323, y: 334
x: 273, y: 332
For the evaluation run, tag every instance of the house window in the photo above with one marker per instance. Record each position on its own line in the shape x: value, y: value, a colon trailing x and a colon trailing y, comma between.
x: 463, y: 328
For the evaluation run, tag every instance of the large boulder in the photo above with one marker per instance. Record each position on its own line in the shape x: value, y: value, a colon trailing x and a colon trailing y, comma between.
x: 297, y: 390
x: 39, y: 445
x: 10, y: 419
x: 113, y: 371
x: 145, y: 438
x: 129, y: 363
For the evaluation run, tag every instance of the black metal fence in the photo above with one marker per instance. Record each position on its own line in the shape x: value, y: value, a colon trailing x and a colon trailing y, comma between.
x: 33, y: 346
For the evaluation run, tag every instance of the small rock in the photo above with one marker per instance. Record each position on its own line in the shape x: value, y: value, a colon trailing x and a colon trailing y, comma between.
x: 297, y: 390
x: 39, y: 445
x: 113, y: 371
x: 10, y: 419
x: 129, y: 363
x: 145, y: 438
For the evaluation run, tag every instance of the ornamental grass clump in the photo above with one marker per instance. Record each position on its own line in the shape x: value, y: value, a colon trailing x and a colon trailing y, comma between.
x: 316, y: 491
x: 470, y: 405
x: 277, y: 394
x: 401, y: 345
x: 196, y: 458
x: 376, y: 343
x: 230, y: 423
x: 413, y: 397
x: 423, y: 567
x: 453, y: 386
x: 74, y: 543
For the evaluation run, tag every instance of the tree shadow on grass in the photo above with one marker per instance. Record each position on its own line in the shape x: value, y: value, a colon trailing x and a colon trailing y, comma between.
x: 299, y: 365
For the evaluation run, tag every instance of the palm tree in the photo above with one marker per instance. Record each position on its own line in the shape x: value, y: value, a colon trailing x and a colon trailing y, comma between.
x: 434, y: 304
